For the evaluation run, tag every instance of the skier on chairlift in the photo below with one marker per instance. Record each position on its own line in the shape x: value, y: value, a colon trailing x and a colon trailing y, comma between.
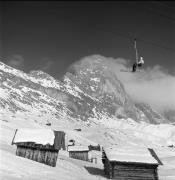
x: 137, y: 63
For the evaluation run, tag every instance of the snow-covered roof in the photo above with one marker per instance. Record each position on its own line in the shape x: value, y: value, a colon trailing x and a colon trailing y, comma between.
x: 38, y: 136
x: 78, y: 148
x: 130, y: 154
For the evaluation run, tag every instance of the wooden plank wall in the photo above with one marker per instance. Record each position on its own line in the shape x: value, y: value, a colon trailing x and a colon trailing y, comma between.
x: 108, y: 168
x: 44, y: 156
x: 130, y: 171
x: 82, y: 155
x: 135, y: 171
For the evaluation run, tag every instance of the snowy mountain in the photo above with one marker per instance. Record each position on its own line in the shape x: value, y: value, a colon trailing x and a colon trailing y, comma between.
x: 96, y: 80
x: 89, y: 91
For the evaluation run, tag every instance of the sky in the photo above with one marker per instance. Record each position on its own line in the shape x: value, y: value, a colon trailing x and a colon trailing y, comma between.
x: 51, y: 35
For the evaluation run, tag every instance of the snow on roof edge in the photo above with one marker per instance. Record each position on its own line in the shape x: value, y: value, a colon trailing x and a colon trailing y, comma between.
x: 78, y: 148
x: 139, y: 156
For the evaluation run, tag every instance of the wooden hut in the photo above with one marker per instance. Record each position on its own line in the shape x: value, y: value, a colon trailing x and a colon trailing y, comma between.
x: 93, y: 147
x: 130, y: 164
x: 41, y: 145
x: 78, y: 152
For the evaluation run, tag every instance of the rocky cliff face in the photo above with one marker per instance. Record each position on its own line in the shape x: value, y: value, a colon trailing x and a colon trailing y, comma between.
x: 88, y: 90
x: 95, y: 79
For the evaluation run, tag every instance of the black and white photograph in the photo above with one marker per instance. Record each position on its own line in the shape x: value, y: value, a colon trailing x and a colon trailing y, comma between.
x: 87, y: 90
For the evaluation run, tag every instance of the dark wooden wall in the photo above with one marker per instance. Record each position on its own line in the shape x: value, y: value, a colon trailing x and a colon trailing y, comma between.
x: 124, y: 171
x: 97, y: 148
x: 82, y: 155
x: 46, y: 156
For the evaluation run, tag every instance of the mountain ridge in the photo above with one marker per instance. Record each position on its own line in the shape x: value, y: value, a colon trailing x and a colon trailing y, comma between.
x: 79, y: 93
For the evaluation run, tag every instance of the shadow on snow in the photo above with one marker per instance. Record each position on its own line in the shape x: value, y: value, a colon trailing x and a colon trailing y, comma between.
x: 95, y: 171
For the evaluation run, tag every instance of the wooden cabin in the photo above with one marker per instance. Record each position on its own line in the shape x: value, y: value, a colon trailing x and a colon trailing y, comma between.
x: 78, y: 152
x: 41, y: 145
x: 96, y: 148
x: 130, y: 164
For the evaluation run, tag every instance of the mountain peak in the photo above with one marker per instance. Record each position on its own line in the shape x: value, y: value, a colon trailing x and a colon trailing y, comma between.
x: 94, y: 77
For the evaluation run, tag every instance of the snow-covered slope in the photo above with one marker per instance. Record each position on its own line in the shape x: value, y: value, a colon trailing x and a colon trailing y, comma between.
x: 14, y: 167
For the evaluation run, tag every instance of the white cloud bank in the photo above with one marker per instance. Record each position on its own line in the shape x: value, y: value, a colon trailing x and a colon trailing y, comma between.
x: 16, y: 61
x: 153, y: 85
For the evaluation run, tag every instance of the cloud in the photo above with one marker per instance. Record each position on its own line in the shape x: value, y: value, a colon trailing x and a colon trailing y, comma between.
x: 16, y: 61
x: 47, y: 64
x: 157, y: 91
x: 153, y: 85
